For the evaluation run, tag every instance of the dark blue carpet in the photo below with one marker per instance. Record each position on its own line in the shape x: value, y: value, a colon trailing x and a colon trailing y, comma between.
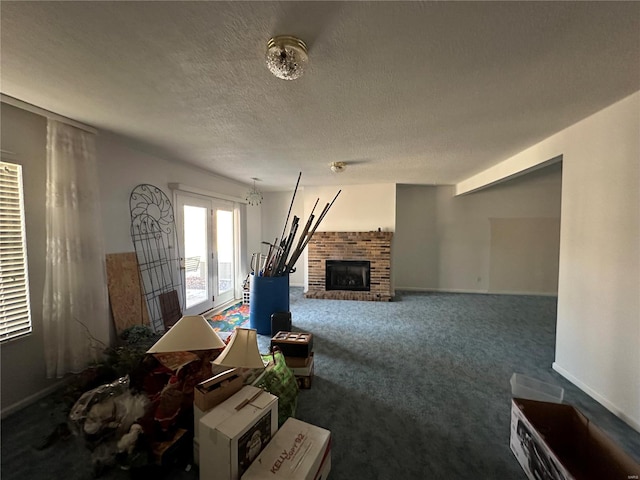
x: 419, y: 388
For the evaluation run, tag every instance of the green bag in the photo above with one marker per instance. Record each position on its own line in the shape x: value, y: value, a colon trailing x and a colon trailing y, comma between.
x: 279, y: 380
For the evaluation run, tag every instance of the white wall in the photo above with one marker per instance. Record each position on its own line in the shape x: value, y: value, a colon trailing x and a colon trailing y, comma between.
x: 358, y: 208
x: 123, y: 167
x: 444, y: 242
x: 598, y: 331
x: 464, y: 227
x: 598, y: 326
x: 416, y: 248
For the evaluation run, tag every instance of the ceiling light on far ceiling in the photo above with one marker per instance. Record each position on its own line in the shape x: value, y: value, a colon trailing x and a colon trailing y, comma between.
x: 254, y: 197
x: 338, y: 167
x: 287, y: 57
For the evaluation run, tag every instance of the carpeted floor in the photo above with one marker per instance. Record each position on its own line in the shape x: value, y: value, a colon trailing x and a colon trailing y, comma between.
x: 412, y: 389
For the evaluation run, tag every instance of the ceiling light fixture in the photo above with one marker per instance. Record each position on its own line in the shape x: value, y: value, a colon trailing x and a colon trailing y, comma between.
x: 338, y: 167
x: 254, y: 197
x: 287, y: 57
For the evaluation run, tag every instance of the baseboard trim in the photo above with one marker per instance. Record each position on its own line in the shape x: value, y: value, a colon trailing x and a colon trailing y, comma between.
x: 531, y: 294
x: 597, y: 397
x: 479, y: 292
x: 439, y: 290
x: 31, y: 399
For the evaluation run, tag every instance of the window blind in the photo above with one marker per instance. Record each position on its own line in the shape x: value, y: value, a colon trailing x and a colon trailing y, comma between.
x: 15, y: 314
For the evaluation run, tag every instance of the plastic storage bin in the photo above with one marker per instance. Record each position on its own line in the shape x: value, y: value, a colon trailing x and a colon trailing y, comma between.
x: 532, y: 389
x: 268, y: 296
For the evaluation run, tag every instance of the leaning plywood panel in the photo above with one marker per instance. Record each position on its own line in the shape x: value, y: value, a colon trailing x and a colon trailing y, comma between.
x: 125, y: 294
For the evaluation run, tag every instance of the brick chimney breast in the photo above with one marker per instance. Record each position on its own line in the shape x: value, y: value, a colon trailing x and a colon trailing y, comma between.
x: 372, y: 246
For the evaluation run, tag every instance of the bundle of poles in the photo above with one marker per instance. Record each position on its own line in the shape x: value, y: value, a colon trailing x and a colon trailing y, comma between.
x: 282, y: 256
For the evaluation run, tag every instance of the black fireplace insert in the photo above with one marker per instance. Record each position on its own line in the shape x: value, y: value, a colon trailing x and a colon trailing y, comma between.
x: 354, y: 275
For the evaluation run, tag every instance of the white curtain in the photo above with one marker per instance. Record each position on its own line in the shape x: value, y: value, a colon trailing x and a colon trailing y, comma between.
x: 75, y: 306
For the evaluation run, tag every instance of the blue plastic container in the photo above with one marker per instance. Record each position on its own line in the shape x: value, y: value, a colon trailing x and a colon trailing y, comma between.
x: 268, y: 296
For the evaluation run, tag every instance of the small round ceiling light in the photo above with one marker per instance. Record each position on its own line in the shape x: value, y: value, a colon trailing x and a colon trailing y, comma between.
x: 287, y: 57
x: 338, y: 167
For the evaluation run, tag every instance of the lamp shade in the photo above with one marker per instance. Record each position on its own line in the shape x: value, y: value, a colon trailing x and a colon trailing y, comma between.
x: 242, y: 350
x: 191, y: 332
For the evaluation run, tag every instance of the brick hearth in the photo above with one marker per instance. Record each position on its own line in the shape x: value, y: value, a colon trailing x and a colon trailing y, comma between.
x: 372, y: 246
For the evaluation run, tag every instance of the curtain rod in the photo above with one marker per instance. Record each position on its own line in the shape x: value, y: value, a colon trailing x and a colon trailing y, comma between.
x: 45, y: 113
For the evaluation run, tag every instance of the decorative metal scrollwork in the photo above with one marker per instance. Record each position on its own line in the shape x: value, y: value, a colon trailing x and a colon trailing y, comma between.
x: 153, y: 233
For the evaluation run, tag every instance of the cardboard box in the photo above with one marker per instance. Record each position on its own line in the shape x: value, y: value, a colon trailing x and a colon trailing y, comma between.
x: 556, y: 441
x: 298, y: 362
x: 299, y: 451
x: 304, y: 376
x: 210, y: 393
x: 197, y: 416
x: 196, y: 451
x: 305, y: 370
x: 217, y: 389
x: 293, y: 344
x: 234, y: 432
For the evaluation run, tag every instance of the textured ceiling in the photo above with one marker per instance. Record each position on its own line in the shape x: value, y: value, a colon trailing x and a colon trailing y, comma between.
x: 404, y: 92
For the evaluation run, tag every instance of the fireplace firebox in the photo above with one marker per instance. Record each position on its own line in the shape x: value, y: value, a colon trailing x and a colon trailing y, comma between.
x: 353, y: 275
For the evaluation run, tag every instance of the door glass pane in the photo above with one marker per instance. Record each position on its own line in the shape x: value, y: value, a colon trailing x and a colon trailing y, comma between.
x: 195, y: 254
x: 224, y: 241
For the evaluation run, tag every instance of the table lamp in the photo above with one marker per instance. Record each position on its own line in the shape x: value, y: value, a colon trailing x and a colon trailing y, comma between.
x: 191, y: 332
x: 242, y: 350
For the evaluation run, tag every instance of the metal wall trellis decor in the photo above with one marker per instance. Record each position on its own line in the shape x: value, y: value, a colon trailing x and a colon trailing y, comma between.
x: 153, y: 232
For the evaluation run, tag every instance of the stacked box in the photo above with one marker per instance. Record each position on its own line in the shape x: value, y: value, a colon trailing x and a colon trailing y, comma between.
x: 297, y: 348
x: 303, y: 374
x: 293, y: 344
x: 235, y: 431
x: 298, y: 451
x: 210, y: 393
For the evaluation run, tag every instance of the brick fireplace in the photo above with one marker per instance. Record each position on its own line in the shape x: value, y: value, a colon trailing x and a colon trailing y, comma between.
x: 372, y: 247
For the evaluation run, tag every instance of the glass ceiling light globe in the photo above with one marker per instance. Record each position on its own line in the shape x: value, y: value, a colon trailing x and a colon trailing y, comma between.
x: 287, y: 57
x: 338, y: 167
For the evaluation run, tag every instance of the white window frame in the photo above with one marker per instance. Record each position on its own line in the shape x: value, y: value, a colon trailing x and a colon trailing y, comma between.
x: 15, y: 307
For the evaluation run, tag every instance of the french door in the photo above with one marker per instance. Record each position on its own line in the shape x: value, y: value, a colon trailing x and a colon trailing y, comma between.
x: 207, y: 246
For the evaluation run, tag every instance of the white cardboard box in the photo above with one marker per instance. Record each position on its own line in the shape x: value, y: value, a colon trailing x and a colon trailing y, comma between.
x: 298, y: 451
x: 230, y: 438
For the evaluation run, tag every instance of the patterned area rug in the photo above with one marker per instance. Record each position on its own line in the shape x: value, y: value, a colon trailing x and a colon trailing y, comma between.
x: 234, y: 316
